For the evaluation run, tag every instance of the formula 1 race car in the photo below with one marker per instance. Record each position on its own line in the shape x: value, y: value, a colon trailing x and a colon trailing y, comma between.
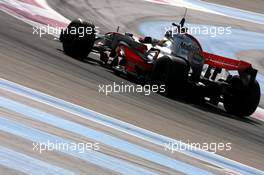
x: 176, y: 61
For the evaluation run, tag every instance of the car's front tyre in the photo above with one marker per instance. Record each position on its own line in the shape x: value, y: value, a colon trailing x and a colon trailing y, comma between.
x: 78, y: 38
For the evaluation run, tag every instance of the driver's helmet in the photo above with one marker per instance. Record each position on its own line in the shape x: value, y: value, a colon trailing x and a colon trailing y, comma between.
x: 129, y: 34
x: 147, y: 40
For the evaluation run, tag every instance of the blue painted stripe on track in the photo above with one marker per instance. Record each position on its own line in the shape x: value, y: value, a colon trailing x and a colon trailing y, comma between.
x: 101, y: 137
x: 91, y: 156
x: 127, y: 128
x: 28, y: 165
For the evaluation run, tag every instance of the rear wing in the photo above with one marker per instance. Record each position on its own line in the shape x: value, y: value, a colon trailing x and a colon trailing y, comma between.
x: 246, y: 71
x: 217, y: 61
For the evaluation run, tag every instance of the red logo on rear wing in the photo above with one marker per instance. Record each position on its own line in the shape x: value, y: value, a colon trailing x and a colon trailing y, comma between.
x: 217, y: 61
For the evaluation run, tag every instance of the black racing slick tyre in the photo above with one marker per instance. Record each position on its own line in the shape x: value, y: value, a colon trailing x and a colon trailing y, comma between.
x: 78, y: 39
x: 243, y: 102
x: 171, y: 73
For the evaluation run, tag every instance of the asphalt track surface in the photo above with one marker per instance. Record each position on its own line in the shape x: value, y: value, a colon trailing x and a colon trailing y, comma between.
x: 39, y: 63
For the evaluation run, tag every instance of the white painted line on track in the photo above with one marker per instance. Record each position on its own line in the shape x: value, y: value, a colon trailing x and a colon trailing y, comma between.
x: 41, y: 16
x: 42, y: 10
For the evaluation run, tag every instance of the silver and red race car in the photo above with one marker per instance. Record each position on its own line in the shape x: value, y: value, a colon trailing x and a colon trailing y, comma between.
x: 176, y: 61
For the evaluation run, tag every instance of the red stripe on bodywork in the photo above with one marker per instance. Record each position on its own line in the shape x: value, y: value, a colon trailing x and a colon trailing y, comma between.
x: 134, y: 59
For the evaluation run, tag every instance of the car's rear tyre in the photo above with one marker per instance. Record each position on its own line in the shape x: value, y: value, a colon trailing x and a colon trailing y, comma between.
x: 78, y: 39
x: 171, y: 73
x: 240, y: 101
